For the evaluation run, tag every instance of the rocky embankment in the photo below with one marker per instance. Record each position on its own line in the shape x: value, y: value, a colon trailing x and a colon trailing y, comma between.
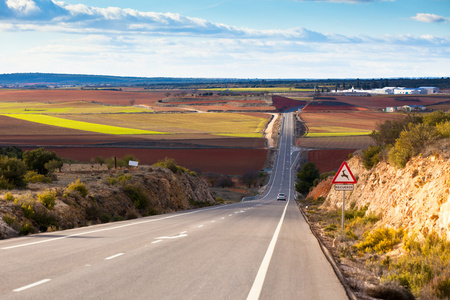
x: 111, y: 196
x: 415, y: 197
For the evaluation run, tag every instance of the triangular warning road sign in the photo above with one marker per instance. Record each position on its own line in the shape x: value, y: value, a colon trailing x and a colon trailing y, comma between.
x: 344, y: 175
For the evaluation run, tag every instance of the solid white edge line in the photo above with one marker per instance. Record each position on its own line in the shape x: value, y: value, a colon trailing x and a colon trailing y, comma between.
x: 255, y: 291
x: 31, y: 285
x: 114, y: 256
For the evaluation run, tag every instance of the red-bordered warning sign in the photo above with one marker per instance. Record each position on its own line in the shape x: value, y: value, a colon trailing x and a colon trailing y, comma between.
x: 344, y: 175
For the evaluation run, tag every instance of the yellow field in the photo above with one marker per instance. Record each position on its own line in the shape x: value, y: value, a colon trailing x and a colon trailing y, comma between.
x: 85, y: 126
x: 271, y: 89
x: 221, y: 124
x: 77, y: 107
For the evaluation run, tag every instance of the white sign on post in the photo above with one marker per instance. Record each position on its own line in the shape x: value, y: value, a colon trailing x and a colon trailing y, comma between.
x: 133, y: 163
x: 343, y: 181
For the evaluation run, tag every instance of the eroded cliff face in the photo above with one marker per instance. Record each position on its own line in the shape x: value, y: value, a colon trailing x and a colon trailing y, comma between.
x: 415, y: 197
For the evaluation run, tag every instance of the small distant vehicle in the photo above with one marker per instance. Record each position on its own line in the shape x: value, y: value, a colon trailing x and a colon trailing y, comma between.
x: 281, y: 196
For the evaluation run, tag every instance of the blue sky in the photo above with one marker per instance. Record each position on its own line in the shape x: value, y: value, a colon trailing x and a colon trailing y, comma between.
x: 227, y: 38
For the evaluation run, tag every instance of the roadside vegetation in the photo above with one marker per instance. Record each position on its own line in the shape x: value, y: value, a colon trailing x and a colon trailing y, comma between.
x: 400, y: 140
x: 398, y: 264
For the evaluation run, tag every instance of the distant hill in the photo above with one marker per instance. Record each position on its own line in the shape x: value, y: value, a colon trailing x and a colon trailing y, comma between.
x: 45, y: 80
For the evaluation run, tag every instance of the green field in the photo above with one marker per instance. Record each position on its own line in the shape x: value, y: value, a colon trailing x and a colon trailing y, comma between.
x: 78, y: 107
x: 78, y: 125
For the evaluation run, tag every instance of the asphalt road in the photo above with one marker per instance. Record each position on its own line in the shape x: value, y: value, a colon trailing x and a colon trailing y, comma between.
x: 261, y: 249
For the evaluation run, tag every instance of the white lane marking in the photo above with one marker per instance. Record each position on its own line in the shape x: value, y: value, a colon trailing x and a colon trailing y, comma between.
x: 182, y: 234
x: 223, y: 218
x: 255, y: 291
x: 114, y: 256
x: 200, y: 226
x: 157, y: 241
x: 108, y: 229
x: 230, y: 215
x: 31, y: 285
x: 214, y: 221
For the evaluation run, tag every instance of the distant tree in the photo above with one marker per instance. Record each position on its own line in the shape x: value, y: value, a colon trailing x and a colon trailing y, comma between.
x: 167, y: 94
x: 132, y: 101
x: 249, y: 178
x: 12, y: 151
x: 54, y: 164
x: 306, y: 177
x: 100, y: 160
x: 36, y: 159
x: 224, y: 182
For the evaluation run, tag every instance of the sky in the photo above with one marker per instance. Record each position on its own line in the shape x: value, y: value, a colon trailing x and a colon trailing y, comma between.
x: 227, y: 38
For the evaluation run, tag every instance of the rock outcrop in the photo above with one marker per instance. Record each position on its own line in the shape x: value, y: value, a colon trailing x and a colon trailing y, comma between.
x: 415, y: 197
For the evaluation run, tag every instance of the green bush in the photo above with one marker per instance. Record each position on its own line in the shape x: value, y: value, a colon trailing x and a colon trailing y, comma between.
x: 9, y: 219
x: 137, y: 195
x: 48, y: 199
x: 169, y: 163
x: 45, y: 219
x: 371, y: 156
x: 79, y: 187
x: 36, y: 159
x: 34, y: 177
x: 306, y: 177
x: 26, y: 228
x: 425, y: 269
x: 410, y: 143
x: 12, y: 172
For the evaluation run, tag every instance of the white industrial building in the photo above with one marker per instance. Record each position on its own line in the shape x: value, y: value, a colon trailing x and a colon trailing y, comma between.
x: 394, y: 91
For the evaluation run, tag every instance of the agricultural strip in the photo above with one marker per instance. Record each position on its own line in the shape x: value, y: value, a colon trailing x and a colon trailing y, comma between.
x: 76, y: 107
x: 217, y: 124
x: 85, y: 126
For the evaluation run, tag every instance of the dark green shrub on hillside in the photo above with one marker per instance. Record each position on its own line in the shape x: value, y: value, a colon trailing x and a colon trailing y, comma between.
x: 136, y: 193
x: 411, y: 142
x: 306, y: 177
x: 35, y: 160
x: 169, y: 163
x: 371, y: 156
x: 12, y: 173
x: 389, y: 131
x: 12, y: 152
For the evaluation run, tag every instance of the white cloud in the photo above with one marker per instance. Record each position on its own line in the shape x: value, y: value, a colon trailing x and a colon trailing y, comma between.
x: 22, y: 6
x: 429, y: 18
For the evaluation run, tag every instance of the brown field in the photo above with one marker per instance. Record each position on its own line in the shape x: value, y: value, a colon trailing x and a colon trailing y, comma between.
x: 218, y: 161
x: 382, y: 101
x: 329, y: 160
x: 356, y: 120
x: 103, y: 96
x: 335, y: 142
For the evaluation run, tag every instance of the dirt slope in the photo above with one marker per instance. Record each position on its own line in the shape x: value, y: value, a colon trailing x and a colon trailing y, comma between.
x: 415, y: 197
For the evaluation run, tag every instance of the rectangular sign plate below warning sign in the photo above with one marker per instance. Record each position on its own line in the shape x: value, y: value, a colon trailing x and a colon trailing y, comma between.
x: 343, y: 187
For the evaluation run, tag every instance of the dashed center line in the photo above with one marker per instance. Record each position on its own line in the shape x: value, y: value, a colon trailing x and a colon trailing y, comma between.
x: 114, y: 256
x: 31, y: 285
x: 200, y: 226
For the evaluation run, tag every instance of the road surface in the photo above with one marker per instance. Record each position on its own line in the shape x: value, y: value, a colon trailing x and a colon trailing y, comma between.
x: 261, y: 249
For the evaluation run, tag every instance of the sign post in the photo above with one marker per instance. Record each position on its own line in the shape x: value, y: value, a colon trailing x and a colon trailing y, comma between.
x: 344, y: 181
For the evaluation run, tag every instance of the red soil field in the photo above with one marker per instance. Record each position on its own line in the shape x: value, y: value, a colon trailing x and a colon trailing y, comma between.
x: 218, y: 161
x: 383, y: 101
x: 283, y: 103
x: 103, y: 96
x: 328, y: 160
